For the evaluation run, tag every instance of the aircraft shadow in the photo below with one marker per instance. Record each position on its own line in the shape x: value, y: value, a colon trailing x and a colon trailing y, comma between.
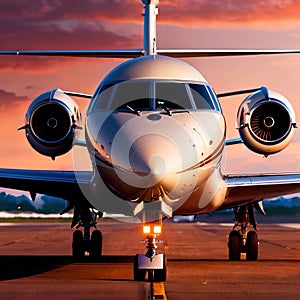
x: 242, y: 261
x: 14, y: 267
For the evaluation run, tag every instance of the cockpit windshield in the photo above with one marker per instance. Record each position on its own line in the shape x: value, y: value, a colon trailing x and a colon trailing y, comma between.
x: 143, y: 95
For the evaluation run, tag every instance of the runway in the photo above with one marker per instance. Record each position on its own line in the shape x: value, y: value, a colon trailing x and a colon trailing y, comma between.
x: 36, y: 263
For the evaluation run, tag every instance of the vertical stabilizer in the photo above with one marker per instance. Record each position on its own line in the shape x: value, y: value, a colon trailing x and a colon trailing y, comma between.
x: 150, y: 13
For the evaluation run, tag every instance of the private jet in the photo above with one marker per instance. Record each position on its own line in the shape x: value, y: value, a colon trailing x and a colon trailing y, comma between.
x: 156, y: 134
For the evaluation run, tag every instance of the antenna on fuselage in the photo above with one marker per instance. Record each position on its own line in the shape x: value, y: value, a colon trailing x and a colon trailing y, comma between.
x: 150, y: 13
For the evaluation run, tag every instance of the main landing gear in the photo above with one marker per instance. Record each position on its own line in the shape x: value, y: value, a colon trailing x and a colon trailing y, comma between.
x: 151, y: 266
x: 84, y: 241
x: 243, y: 238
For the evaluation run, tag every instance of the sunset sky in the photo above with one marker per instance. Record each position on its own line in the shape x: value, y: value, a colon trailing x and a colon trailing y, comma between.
x: 112, y: 24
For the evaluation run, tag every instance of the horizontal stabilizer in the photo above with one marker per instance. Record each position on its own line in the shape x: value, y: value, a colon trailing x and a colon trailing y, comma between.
x: 132, y: 53
x: 184, y: 53
x: 79, y: 53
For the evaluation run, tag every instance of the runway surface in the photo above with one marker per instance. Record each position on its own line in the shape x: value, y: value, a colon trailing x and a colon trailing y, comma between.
x: 36, y: 263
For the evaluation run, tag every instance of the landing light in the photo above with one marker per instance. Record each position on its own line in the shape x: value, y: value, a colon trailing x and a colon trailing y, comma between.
x: 146, y: 229
x: 154, y: 229
x: 157, y: 229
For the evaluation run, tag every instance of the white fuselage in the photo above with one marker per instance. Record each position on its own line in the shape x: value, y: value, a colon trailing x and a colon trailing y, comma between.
x: 154, y: 138
x: 155, y: 156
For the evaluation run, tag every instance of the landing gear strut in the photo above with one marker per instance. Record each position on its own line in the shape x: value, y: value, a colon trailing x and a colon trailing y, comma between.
x: 84, y: 241
x: 243, y: 238
x: 152, y: 264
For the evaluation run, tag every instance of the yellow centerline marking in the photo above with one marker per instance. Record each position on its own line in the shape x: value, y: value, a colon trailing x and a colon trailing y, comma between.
x: 159, y: 291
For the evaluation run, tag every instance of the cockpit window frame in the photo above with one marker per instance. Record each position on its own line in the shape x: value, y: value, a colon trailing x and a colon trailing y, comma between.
x: 213, y: 101
x: 214, y: 97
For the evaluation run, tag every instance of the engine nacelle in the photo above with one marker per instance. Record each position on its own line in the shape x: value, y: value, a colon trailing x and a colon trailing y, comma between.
x: 52, y: 123
x: 266, y: 122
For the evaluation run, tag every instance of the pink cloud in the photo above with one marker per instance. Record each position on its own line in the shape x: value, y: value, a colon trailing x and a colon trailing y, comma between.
x: 35, y: 25
x: 10, y: 99
x: 40, y: 11
x: 55, y: 25
x: 72, y: 25
x: 23, y: 35
x: 212, y: 12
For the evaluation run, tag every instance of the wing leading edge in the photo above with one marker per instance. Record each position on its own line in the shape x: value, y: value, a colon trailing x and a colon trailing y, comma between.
x: 241, y: 189
x: 251, y: 188
x: 63, y: 184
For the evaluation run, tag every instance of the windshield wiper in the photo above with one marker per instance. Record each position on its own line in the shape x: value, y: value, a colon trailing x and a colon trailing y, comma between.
x: 176, y: 111
x: 169, y: 112
x: 137, y: 112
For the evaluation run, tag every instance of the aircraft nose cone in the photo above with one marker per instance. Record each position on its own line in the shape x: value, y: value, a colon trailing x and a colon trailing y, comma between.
x: 157, y: 166
x: 155, y: 160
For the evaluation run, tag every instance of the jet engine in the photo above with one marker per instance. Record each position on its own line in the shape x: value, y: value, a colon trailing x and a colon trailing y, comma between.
x: 52, y: 123
x: 266, y: 122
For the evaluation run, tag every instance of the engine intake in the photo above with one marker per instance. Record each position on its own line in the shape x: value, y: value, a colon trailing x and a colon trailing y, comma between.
x: 52, y: 121
x: 266, y: 122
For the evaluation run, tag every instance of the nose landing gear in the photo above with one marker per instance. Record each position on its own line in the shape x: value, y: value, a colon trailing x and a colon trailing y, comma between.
x: 151, y: 265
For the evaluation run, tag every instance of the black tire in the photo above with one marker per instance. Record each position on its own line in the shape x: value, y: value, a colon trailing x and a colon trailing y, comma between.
x: 252, y: 246
x: 161, y: 275
x: 138, y: 275
x: 234, y: 246
x: 96, y: 244
x: 78, y: 245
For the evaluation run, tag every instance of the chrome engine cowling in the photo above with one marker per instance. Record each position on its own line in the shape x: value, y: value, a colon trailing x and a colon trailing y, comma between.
x: 52, y: 123
x: 266, y: 122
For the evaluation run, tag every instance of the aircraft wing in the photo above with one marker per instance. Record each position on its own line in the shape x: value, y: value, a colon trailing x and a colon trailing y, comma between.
x: 245, y: 189
x: 241, y: 189
x: 63, y: 184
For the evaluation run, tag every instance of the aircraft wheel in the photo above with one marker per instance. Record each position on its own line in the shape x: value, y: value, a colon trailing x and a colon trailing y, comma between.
x: 161, y: 275
x: 252, y: 246
x: 138, y: 275
x: 234, y: 246
x: 77, y: 244
x: 96, y: 244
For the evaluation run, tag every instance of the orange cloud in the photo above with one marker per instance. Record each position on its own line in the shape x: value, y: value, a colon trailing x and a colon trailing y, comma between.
x: 10, y: 99
x: 228, y: 13
x: 192, y: 12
